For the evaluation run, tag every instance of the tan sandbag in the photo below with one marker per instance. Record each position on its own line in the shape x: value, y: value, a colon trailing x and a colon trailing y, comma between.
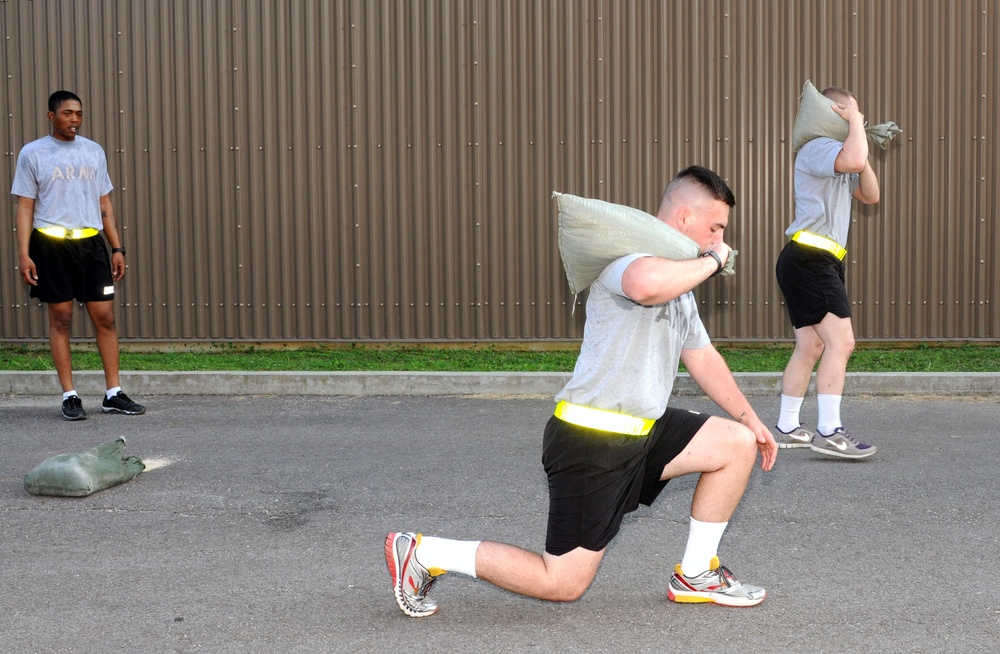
x: 593, y: 233
x: 817, y: 118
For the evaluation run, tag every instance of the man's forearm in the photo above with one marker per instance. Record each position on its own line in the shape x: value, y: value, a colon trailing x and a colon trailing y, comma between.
x: 869, y: 184
x: 23, y: 220
x: 727, y: 394
x: 110, y: 223
x: 710, y: 371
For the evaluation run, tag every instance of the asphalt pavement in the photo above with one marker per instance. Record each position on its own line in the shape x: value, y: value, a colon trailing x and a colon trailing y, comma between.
x: 259, y: 524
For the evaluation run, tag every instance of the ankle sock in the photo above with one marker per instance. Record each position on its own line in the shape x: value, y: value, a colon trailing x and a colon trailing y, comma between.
x: 702, y: 545
x: 111, y: 392
x: 829, y: 414
x: 788, y: 419
x: 441, y: 555
x: 69, y: 394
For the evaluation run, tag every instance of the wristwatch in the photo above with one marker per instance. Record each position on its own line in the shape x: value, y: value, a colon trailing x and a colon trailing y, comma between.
x: 718, y: 260
x: 114, y: 250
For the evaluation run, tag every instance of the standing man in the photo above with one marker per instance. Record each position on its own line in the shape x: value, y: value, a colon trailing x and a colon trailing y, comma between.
x: 613, y: 443
x: 810, y: 272
x: 63, y: 203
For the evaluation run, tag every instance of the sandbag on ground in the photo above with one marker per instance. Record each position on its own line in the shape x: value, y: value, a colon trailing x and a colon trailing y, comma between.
x: 593, y: 233
x: 82, y: 473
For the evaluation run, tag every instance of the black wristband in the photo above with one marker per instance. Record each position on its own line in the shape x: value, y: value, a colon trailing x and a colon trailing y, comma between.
x: 718, y: 260
x: 114, y: 250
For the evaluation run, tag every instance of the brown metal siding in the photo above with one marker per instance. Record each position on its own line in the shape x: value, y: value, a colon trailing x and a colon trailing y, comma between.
x: 310, y: 170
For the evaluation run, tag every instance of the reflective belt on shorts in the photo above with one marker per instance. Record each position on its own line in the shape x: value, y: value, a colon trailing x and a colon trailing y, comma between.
x: 62, y: 232
x: 585, y: 416
x: 821, y: 242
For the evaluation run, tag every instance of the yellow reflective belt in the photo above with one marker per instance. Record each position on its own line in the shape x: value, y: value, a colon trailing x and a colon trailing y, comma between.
x: 62, y: 232
x: 821, y: 242
x: 585, y: 416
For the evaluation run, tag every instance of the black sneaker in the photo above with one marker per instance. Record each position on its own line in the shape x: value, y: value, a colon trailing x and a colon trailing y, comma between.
x: 72, y: 408
x: 121, y: 403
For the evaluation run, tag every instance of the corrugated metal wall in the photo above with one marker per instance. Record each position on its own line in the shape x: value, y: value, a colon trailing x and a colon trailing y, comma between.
x: 310, y: 170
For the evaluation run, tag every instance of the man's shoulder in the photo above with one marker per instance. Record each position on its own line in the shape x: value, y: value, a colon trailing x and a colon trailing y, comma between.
x: 819, y: 147
x: 817, y: 158
x: 48, y: 142
x: 37, y: 144
x: 84, y: 142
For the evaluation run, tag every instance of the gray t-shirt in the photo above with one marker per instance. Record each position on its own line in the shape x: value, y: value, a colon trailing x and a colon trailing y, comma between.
x: 822, y: 195
x: 630, y: 352
x: 66, y: 179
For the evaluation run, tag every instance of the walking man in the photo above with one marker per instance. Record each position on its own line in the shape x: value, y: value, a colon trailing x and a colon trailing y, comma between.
x: 810, y: 271
x: 63, y: 204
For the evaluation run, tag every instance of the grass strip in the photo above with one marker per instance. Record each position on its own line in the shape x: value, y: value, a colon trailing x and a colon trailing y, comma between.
x: 966, y: 358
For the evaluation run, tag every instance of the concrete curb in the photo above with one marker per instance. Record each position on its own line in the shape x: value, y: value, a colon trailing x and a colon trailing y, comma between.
x: 458, y: 383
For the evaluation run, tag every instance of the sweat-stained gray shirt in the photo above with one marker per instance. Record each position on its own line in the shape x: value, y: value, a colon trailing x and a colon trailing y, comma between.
x: 822, y: 195
x: 630, y: 352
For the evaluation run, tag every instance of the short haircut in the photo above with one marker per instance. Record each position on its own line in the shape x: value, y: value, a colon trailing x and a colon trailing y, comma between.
x: 838, y: 94
x: 57, y: 98
x: 707, y: 180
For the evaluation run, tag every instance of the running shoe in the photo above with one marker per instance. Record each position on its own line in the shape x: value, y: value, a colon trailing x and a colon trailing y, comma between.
x: 841, y: 444
x: 122, y: 403
x: 716, y: 585
x: 72, y: 408
x: 410, y: 580
x: 798, y: 437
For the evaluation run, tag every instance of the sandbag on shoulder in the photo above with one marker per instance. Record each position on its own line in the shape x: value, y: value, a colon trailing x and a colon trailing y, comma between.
x: 82, y: 473
x: 817, y: 118
x: 593, y: 233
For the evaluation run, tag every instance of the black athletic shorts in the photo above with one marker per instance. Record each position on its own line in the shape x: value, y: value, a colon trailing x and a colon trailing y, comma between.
x: 812, y: 281
x: 71, y: 269
x: 596, y: 477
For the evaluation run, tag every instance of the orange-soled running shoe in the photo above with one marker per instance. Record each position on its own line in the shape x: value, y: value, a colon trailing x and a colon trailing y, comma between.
x: 716, y: 585
x: 410, y: 580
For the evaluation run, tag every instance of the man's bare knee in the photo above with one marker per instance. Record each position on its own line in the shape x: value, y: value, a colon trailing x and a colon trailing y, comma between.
x: 810, y: 350
x: 570, y: 575
x: 103, y: 320
x: 744, y: 445
x: 567, y: 590
x: 59, y: 319
x: 844, y: 346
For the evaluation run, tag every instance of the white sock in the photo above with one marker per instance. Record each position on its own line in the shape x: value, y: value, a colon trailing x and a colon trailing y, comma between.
x: 448, y: 555
x: 68, y: 394
x: 702, y: 545
x: 829, y: 414
x: 788, y: 420
x: 112, y: 392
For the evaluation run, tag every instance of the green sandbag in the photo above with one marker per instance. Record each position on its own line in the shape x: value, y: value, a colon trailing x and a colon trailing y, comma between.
x: 817, y: 118
x: 593, y: 233
x: 82, y: 473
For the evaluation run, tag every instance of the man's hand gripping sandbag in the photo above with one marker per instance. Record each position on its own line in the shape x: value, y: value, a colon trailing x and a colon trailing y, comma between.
x: 817, y: 118
x: 593, y: 233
